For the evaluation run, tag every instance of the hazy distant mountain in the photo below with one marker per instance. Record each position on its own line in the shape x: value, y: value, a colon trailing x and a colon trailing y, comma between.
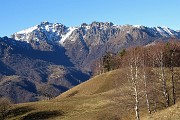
x: 49, y: 58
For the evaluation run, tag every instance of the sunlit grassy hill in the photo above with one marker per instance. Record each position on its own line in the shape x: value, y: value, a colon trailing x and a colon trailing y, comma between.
x: 104, y: 97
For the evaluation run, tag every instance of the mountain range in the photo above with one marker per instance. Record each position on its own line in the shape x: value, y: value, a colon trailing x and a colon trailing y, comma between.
x: 45, y: 60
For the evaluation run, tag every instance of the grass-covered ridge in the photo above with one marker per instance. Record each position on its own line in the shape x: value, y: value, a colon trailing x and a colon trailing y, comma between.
x: 105, y: 97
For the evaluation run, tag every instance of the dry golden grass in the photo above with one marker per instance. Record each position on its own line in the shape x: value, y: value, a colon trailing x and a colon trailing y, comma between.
x: 104, y: 97
x: 171, y: 113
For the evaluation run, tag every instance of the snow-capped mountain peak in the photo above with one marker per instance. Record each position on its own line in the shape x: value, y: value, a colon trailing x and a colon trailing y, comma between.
x: 98, y: 32
x: 44, y: 31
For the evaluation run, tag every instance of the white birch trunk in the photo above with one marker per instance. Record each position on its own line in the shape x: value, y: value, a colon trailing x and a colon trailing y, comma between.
x: 146, y: 93
x: 172, y: 78
x: 164, y: 81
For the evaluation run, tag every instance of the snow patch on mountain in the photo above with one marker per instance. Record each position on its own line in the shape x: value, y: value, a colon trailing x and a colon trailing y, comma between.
x: 137, y: 26
x: 162, y: 31
x: 26, y: 31
x: 87, y: 27
x: 65, y: 36
x: 167, y: 30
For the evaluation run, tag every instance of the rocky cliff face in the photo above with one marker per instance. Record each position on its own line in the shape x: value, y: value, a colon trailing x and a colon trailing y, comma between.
x: 49, y: 58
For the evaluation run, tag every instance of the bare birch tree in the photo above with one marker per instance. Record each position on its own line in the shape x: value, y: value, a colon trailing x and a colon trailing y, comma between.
x: 160, y: 62
x: 133, y: 69
x: 144, y: 62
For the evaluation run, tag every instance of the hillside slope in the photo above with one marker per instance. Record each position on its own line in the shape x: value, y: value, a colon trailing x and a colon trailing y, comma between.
x: 171, y: 113
x: 104, y: 97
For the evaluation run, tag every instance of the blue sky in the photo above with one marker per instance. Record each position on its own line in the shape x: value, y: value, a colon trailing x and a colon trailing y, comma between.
x: 16, y: 15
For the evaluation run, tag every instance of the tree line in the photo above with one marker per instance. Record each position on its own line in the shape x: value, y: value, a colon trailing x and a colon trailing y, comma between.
x: 152, y: 72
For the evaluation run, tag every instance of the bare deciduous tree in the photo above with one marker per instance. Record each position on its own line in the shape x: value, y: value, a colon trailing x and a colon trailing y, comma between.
x: 172, y: 50
x: 144, y: 62
x: 161, y: 63
x: 134, y: 63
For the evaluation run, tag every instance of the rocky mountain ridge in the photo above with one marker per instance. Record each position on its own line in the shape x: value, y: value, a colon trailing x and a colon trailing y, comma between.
x: 50, y: 58
x: 87, y: 42
x: 58, y: 32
